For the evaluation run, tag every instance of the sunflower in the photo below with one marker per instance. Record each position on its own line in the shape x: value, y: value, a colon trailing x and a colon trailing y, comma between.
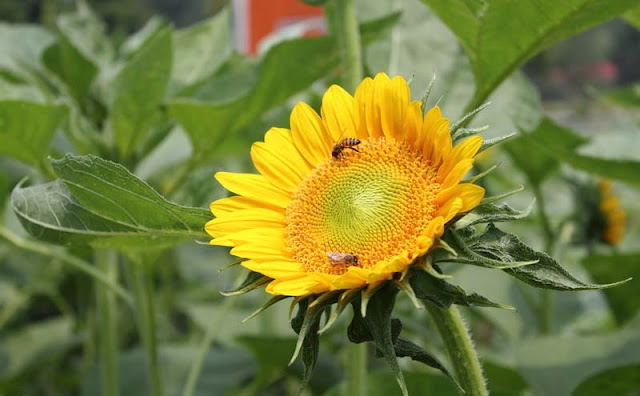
x: 349, y: 198
x: 613, y: 214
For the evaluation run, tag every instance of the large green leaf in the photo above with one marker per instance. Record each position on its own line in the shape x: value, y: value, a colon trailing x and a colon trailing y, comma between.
x: 623, y: 300
x: 500, y: 35
x: 101, y: 203
x: 139, y: 88
x: 295, y: 62
x: 22, y: 45
x: 26, y: 129
x: 622, y: 381
x: 560, y: 142
x: 200, y: 50
x: 87, y: 33
x: 546, y: 273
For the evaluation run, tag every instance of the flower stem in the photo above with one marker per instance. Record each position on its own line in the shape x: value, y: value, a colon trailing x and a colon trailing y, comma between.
x: 356, y: 369
x: 461, y: 351
x: 140, y: 278
x: 107, y: 262
x: 348, y: 35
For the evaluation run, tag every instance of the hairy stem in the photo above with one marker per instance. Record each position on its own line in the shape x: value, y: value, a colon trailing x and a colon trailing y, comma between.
x: 356, y: 369
x: 461, y: 351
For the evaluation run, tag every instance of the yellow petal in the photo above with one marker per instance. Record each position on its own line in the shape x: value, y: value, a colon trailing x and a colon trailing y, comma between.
x: 274, y: 163
x: 393, y: 97
x: 432, y: 120
x: 227, y: 205
x: 471, y: 195
x: 457, y: 173
x: 245, y: 219
x: 337, y: 112
x: 309, y: 134
x: 467, y: 149
x: 450, y: 209
x: 296, y: 286
x: 413, y: 123
x: 254, y: 186
x: 271, y: 249
x: 362, y: 102
x: 246, y: 236
x: 275, y: 269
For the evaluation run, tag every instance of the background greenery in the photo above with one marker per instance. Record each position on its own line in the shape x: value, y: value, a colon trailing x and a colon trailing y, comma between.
x: 98, y: 264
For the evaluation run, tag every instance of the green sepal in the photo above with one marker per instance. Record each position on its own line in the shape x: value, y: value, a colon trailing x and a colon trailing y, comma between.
x: 546, y: 273
x: 492, y: 142
x: 492, y: 213
x: 306, y: 324
x: 427, y: 93
x: 460, y: 122
x: 443, y: 294
x: 266, y: 305
x: 378, y: 326
x: 482, y: 174
x: 343, y: 301
x: 500, y: 197
x: 406, y: 348
x: 253, y: 281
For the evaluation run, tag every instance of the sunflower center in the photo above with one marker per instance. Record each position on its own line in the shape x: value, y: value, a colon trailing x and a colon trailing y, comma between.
x: 369, y: 205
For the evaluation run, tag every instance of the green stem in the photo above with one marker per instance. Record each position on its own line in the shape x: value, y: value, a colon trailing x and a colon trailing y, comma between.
x: 356, y: 369
x: 349, y: 40
x: 462, y: 354
x: 210, y: 335
x: 60, y: 254
x: 545, y: 310
x: 141, y: 283
x: 107, y: 261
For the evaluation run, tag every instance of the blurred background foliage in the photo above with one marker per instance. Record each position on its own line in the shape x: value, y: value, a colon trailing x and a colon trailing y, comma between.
x: 75, y: 79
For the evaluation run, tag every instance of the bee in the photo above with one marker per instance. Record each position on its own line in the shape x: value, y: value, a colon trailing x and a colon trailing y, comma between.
x: 336, y: 258
x: 344, y: 143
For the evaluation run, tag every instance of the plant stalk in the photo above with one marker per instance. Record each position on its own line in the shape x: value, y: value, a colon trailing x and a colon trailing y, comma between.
x: 461, y: 351
x: 141, y: 283
x: 348, y: 35
x: 356, y: 369
x: 107, y: 262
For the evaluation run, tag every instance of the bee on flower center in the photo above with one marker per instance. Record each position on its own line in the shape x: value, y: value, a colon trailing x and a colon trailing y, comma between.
x: 337, y: 258
x: 344, y: 143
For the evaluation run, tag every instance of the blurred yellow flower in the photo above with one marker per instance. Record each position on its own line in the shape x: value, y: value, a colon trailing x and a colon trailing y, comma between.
x: 613, y: 213
x: 327, y: 213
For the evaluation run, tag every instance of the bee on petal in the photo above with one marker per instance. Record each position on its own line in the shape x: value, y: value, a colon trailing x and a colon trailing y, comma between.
x: 336, y: 258
x: 344, y: 143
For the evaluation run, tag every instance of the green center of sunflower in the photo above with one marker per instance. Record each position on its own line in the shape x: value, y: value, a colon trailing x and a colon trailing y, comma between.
x: 371, y: 205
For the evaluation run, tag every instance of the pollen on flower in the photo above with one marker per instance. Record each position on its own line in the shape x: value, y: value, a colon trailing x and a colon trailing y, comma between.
x: 373, y: 204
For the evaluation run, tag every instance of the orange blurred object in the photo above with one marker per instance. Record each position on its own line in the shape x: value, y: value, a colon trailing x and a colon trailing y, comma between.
x: 256, y: 19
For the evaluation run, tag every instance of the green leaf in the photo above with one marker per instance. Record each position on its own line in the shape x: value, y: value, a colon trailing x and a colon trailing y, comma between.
x: 560, y: 142
x: 500, y: 35
x: 139, y: 88
x: 443, y: 294
x: 22, y: 45
x: 623, y: 300
x: 306, y: 324
x: 503, y: 380
x: 488, y: 213
x: 26, y: 129
x: 200, y: 50
x: 101, y: 203
x: 378, y: 320
x: 71, y: 66
x: 294, y: 61
x: 223, y: 370
x: 633, y: 17
x: 546, y: 273
x: 271, y: 354
x: 35, y: 344
x: 87, y: 33
x: 556, y: 365
x: 406, y: 348
x: 622, y: 381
